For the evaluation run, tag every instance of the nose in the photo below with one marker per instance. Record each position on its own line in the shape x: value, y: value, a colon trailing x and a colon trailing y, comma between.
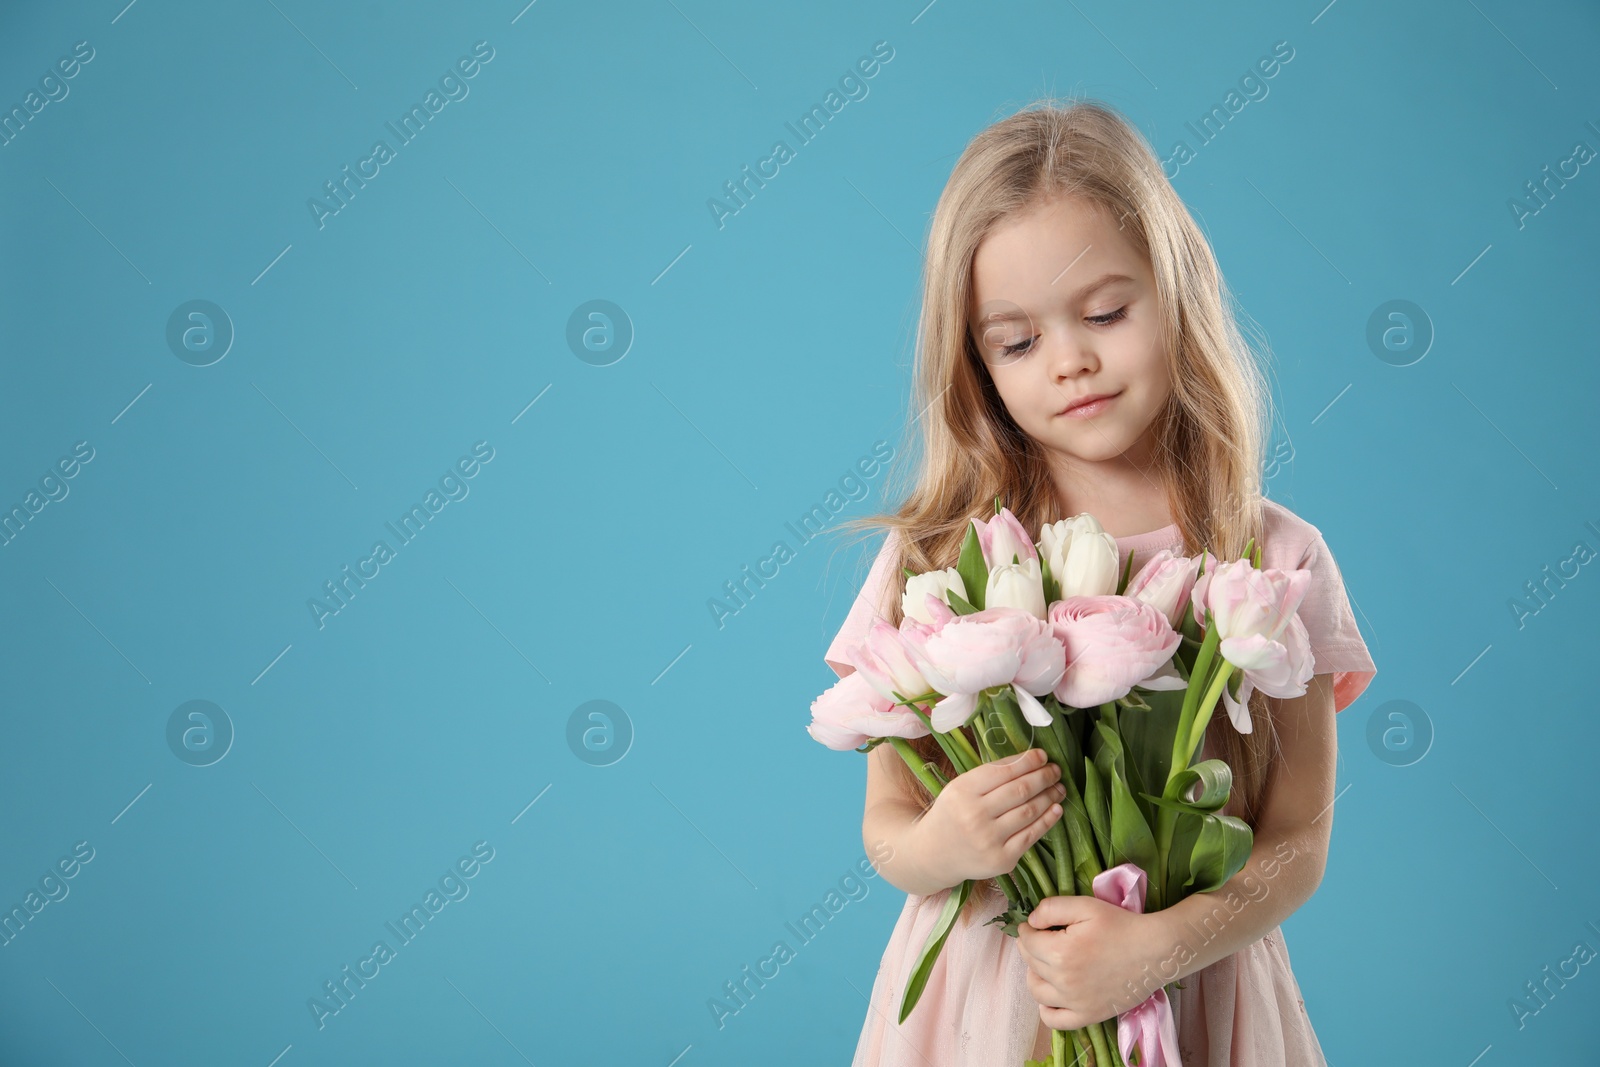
x: 1070, y: 354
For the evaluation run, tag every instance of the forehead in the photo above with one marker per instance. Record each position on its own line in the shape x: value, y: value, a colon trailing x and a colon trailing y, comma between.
x: 1049, y: 252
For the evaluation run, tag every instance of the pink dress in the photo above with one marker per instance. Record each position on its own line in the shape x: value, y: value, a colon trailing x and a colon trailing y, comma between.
x: 1244, y: 1010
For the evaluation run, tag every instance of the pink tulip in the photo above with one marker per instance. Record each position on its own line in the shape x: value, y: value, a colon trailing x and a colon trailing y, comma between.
x: 1165, y: 582
x: 996, y: 646
x: 884, y: 660
x: 938, y: 612
x: 850, y: 713
x: 1003, y: 538
x: 1256, y: 613
x: 1112, y: 644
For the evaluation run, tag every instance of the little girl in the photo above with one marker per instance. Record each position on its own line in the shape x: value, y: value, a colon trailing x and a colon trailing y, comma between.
x: 1077, y: 352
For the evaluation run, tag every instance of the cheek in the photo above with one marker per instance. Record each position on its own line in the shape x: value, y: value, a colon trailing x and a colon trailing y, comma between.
x: 1015, y: 390
x: 1148, y: 364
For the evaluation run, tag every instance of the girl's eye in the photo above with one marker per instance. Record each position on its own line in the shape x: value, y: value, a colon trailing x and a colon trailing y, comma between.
x: 1022, y: 347
x: 1110, y: 317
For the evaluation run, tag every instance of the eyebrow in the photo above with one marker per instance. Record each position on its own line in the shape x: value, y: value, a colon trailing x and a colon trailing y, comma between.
x: 1099, y: 283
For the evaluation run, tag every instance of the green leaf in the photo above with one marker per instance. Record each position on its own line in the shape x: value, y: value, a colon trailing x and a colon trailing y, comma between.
x: 1131, y: 836
x: 1147, y: 738
x: 1066, y: 740
x: 1127, y: 574
x: 1219, y: 853
x: 1210, y: 780
x: 1052, y: 588
x: 1185, y: 831
x: 1099, y: 809
x: 1175, y: 805
x: 1010, y: 919
x: 972, y: 568
x: 930, y: 952
x: 959, y: 605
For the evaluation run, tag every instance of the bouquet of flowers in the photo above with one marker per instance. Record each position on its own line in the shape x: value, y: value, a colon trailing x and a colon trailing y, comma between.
x: 1115, y: 676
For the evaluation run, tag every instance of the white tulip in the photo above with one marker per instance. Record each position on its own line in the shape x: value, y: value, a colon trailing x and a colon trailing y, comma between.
x: 1082, y: 556
x: 1016, y: 585
x: 914, y: 603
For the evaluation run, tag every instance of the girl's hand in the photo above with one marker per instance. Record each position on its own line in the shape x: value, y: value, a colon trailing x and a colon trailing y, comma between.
x: 1095, y: 968
x: 982, y: 822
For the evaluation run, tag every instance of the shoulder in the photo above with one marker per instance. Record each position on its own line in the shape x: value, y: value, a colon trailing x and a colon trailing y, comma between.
x: 1291, y: 543
x: 881, y: 590
x: 874, y: 600
x: 1287, y: 541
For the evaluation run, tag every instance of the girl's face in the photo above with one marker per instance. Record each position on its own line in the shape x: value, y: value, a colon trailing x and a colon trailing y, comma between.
x: 1064, y: 308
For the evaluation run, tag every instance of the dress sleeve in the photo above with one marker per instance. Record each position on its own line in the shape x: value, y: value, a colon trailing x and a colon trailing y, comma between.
x: 1336, y: 644
x: 869, y: 602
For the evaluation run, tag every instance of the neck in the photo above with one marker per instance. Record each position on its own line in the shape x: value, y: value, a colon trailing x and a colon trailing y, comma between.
x: 1126, y: 494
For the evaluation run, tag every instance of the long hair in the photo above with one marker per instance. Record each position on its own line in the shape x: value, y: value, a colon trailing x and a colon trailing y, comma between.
x: 1208, y: 439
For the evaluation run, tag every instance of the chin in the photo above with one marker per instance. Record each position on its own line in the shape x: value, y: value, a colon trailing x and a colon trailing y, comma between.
x: 1097, y: 450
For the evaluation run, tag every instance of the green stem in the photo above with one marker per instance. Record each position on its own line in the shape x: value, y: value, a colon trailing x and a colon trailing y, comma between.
x: 961, y: 742
x: 1018, y: 732
x: 916, y: 763
x: 1191, y: 700
x: 1030, y: 892
x: 951, y: 753
x: 1097, y: 1037
x: 1202, y: 718
x: 1062, y: 849
x: 1013, y: 893
x: 1192, y: 724
x: 1040, y: 875
x: 1109, y: 1028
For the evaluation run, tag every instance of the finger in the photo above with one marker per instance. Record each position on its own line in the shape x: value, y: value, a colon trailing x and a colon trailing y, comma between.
x: 1061, y: 1018
x: 1019, y: 791
x: 1034, y: 830
x: 1035, y: 781
x: 1026, y: 949
x: 1021, y: 818
x: 1058, y: 911
x: 1002, y: 771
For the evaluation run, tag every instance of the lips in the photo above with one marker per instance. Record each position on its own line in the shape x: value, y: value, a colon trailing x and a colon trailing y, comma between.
x: 1084, y: 400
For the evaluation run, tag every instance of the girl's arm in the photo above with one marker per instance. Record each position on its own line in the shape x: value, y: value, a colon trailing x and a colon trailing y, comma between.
x: 889, y: 820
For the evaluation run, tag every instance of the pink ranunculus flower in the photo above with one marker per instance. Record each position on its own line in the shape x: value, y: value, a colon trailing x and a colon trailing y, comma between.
x: 996, y: 646
x: 850, y: 713
x: 1003, y: 538
x: 884, y: 659
x: 1165, y: 582
x: 1257, y: 616
x: 1113, y: 643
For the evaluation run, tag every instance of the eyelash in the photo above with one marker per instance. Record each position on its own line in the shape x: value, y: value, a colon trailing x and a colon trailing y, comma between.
x: 1099, y: 320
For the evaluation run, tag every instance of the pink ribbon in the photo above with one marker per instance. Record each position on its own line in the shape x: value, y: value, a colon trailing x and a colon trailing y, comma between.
x: 1150, y: 1024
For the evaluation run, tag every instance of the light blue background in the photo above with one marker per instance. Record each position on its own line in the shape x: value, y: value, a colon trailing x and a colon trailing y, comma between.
x: 433, y: 309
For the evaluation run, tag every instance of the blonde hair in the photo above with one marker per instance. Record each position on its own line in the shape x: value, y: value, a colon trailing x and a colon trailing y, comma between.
x: 1208, y: 440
